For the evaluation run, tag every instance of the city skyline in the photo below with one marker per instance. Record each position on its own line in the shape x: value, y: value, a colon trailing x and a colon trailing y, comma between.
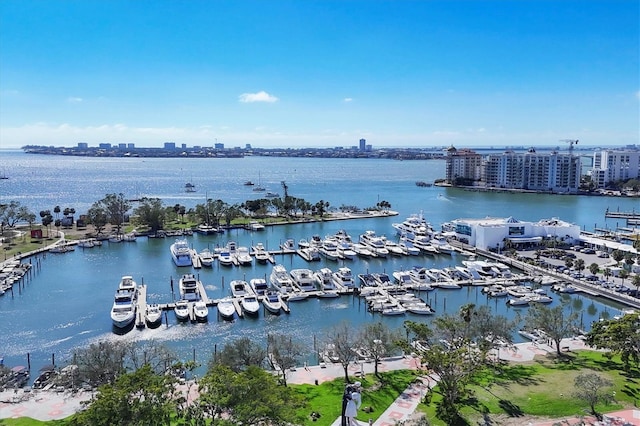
x: 320, y: 74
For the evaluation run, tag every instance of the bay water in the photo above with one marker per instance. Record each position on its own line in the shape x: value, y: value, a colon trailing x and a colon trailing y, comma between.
x: 66, y: 302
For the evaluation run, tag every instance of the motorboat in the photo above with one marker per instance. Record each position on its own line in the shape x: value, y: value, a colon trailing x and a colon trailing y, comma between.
x: 408, y: 248
x: 329, y: 249
x: 123, y: 311
x: 280, y: 279
x: 189, y: 187
x: 393, y: 247
x: 153, y: 315
x: 420, y: 277
x: 343, y: 278
x: 518, y: 301
x: 288, y: 245
x: 250, y: 304
x: 394, y: 310
x: 243, y: 257
x: 226, y: 308
x: 324, y: 279
x: 402, y: 278
x: 311, y: 254
x: 303, y: 279
x: 200, y: 311
x: 259, y: 286
x: 271, y: 195
x: 374, y: 243
x: 225, y: 258
x: 240, y: 288
x: 362, y: 250
x: 181, y: 310
x: 206, y: 257
x: 442, y: 245
x: 328, y: 294
x: 127, y: 283
x: 129, y: 238
x: 188, y: 286
x: 254, y: 225
x: 206, y: 229
x: 345, y: 250
x: 296, y: 296
x: 260, y: 253
x: 181, y: 253
x: 419, y: 308
x: 272, y: 303
x: 415, y: 224
x: 86, y: 243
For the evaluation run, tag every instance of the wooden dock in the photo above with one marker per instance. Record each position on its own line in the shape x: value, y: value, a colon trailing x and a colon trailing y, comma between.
x: 141, y: 308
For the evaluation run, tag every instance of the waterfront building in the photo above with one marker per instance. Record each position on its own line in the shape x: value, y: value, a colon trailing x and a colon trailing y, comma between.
x: 363, y: 144
x: 613, y: 165
x: 463, y: 167
x: 532, y: 171
x: 496, y: 233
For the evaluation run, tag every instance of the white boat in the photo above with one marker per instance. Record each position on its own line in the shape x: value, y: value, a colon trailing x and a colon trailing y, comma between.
x: 153, y: 315
x: 289, y: 244
x: 271, y: 195
x: 419, y: 308
x: 129, y: 238
x: 259, y: 286
x: 311, y: 254
x: 280, y: 279
x: 324, y: 279
x: 419, y: 277
x: 243, y: 257
x: 226, y: 308
x: 188, y: 286
x: 394, y: 310
x: 206, y: 257
x: 206, y: 229
x: 127, y: 283
x: 393, y: 247
x: 415, y: 224
x: 200, y: 310
x: 181, y: 253
x: 250, y: 304
x: 86, y: 243
x: 295, y: 296
x: 362, y: 250
x: 123, y: 311
x: 343, y: 278
x: 403, y: 278
x: 225, y: 258
x: 181, y: 310
x: 189, y: 187
x: 442, y: 245
x: 328, y: 294
x: 303, y: 279
x: 408, y: 248
x: 272, y: 303
x: 345, y: 249
x: 240, y: 288
x: 329, y: 249
x: 374, y: 243
x: 260, y: 253
x: 255, y: 226
x: 518, y: 301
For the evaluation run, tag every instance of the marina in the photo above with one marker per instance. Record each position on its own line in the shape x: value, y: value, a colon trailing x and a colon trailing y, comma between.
x: 81, y: 283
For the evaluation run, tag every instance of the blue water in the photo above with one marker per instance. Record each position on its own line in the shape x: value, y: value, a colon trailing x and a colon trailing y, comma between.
x: 66, y: 304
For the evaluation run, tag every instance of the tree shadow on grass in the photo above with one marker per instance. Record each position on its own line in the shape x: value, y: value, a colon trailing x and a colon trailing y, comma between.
x: 510, y: 408
x: 520, y: 374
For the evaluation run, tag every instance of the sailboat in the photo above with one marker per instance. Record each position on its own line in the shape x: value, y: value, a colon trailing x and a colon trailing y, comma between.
x: 259, y: 187
x: 3, y: 175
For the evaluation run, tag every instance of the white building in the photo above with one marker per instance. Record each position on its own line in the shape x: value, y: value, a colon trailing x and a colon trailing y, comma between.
x: 491, y: 232
x: 613, y: 165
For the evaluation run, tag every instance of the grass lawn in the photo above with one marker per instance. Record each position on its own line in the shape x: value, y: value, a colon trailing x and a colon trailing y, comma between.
x: 544, y: 387
x: 326, y: 398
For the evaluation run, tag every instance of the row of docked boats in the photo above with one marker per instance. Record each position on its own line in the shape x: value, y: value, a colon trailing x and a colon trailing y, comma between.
x: 229, y: 255
x: 391, y: 298
x: 12, y: 272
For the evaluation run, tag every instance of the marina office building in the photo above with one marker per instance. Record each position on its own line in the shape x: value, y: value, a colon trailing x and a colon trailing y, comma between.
x: 495, y: 233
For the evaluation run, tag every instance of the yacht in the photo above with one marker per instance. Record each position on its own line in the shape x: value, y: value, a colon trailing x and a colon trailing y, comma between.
x: 345, y: 249
x: 408, y: 248
x: 255, y: 226
x: 123, y: 311
x: 329, y: 249
x: 420, y: 278
x: 324, y: 279
x: 243, y: 257
x: 206, y: 229
x: 289, y: 244
x: 226, y: 308
x: 343, y: 278
x: 188, y: 286
x: 250, y: 304
x: 153, y: 315
x: 442, y: 245
x: 240, y: 288
x: 303, y: 279
x: 189, y: 187
x: 181, y: 310
x: 272, y: 303
x: 393, y: 247
x: 311, y: 254
x: 374, y: 243
x: 200, y: 310
x: 181, y: 253
x: 414, y: 224
x: 280, y: 279
x: 260, y: 253
x: 225, y: 258
x: 259, y: 286
x: 206, y: 257
x: 362, y: 250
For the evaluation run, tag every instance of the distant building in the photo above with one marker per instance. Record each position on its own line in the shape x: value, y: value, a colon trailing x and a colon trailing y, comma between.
x: 247, y: 146
x: 496, y: 233
x: 122, y: 146
x: 363, y: 144
x: 104, y: 146
x: 613, y: 165
x: 131, y: 146
x: 183, y: 146
x: 532, y: 171
x: 463, y: 166
x: 218, y: 145
x: 170, y: 145
x: 83, y: 145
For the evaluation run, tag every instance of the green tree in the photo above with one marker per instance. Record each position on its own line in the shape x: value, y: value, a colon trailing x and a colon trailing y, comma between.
x: 623, y: 275
x: 594, y: 268
x: 47, y: 219
x: 138, y: 398
x: 97, y: 216
x: 635, y: 281
x: 101, y: 363
x: 239, y: 354
x: 151, y: 213
x: 593, y: 389
x: 553, y: 321
x: 116, y: 207
x: 579, y: 265
x: 619, y: 336
x: 617, y: 255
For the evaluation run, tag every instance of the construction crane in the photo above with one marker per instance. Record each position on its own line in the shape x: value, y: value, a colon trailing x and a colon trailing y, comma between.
x: 571, y: 142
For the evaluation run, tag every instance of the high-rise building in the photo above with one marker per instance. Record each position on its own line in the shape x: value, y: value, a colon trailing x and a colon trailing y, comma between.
x: 363, y: 144
x: 463, y: 166
x: 613, y: 165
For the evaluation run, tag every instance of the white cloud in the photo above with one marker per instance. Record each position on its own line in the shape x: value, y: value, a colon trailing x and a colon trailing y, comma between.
x: 74, y: 100
x: 638, y: 94
x: 347, y: 100
x: 261, y: 96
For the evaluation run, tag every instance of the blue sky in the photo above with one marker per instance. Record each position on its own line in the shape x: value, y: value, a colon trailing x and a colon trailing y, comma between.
x: 320, y: 73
